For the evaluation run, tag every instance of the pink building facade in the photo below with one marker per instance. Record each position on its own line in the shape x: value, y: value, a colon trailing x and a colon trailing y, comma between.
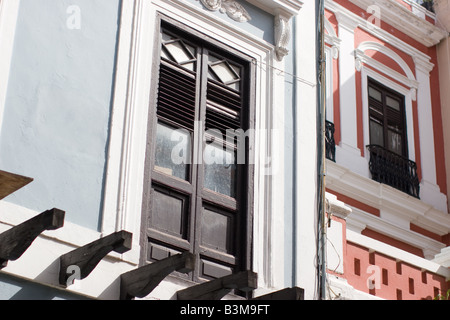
x: 389, y: 230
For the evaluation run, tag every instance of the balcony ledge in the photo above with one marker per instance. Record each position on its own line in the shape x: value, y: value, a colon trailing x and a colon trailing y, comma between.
x: 406, y: 21
x: 395, y: 206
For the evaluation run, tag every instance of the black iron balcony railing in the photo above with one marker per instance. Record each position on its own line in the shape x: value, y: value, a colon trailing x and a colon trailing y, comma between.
x: 394, y: 170
x: 330, y: 145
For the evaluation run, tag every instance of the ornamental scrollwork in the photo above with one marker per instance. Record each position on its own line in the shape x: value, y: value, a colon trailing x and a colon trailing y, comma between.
x: 232, y: 8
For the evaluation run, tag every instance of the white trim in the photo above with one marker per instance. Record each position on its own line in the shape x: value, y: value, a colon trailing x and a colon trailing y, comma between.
x: 123, y: 195
x: 398, y: 254
x: 329, y: 84
x: 9, y: 10
x: 394, y: 204
x: 274, y: 7
x: 406, y: 21
x: 360, y: 219
x: 376, y: 32
x: 372, y: 45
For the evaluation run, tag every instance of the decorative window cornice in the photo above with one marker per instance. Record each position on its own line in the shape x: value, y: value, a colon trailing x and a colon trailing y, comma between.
x: 282, y: 10
x: 232, y: 8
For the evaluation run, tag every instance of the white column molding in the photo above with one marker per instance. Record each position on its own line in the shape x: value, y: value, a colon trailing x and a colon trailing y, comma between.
x: 429, y: 190
x: 348, y: 152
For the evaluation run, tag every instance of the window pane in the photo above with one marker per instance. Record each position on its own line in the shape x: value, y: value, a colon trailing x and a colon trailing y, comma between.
x: 173, y: 151
x: 393, y: 103
x: 376, y: 133
x: 224, y: 72
x: 169, y: 213
x: 179, y: 52
x: 217, y: 230
x: 220, y: 169
x: 374, y: 93
x: 395, y: 142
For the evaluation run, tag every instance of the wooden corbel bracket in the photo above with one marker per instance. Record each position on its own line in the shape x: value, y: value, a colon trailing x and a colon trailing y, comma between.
x: 16, y: 240
x: 141, y: 281
x: 218, y: 288
x: 86, y: 258
x: 294, y: 293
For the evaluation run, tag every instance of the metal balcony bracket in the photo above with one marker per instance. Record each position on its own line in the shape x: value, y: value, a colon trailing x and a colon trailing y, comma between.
x: 16, y: 240
x: 294, y: 293
x: 141, y: 281
x: 86, y: 258
x: 10, y: 183
x: 216, y: 289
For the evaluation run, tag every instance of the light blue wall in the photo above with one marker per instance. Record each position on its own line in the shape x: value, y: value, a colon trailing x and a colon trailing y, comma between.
x: 12, y: 288
x: 56, y: 119
x: 260, y: 25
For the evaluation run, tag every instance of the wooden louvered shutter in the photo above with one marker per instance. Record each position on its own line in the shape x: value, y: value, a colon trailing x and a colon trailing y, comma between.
x: 387, y: 118
x: 199, y: 206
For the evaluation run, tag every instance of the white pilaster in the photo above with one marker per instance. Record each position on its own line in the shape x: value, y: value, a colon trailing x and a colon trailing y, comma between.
x: 429, y: 190
x: 347, y: 83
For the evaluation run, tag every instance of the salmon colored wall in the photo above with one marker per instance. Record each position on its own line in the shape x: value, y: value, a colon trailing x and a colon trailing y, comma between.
x: 355, y: 203
x: 392, y: 280
x: 393, y: 242
x: 361, y: 36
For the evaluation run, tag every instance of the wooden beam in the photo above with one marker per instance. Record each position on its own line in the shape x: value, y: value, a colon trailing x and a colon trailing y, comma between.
x: 141, y: 281
x: 86, y: 258
x: 294, y: 293
x: 10, y: 183
x: 218, y: 288
x: 16, y: 240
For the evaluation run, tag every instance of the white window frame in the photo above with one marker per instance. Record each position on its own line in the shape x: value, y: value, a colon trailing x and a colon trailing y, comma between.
x: 407, y: 87
x: 125, y: 168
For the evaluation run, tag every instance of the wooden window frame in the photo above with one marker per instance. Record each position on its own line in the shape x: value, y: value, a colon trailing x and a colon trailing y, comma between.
x: 383, y: 117
x: 244, y: 194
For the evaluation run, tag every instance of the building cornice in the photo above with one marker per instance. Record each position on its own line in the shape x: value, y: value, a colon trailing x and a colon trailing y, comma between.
x: 405, y: 21
x: 288, y: 8
x: 359, y: 220
x: 396, y: 207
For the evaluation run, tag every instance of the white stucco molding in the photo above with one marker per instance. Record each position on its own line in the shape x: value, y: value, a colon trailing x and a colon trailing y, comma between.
x: 347, y: 17
x: 336, y: 207
x: 232, y: 8
x: 430, y: 247
x: 443, y: 258
x: 283, y: 11
x: 289, y: 7
x: 400, y: 255
x: 397, y: 209
x: 398, y: 16
x: 332, y: 39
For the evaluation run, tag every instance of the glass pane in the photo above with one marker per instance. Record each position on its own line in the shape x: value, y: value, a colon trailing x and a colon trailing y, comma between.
x: 393, y: 103
x: 376, y: 133
x: 173, y: 151
x: 224, y: 72
x: 374, y: 93
x: 179, y: 51
x: 220, y: 169
x: 395, y: 142
x: 169, y: 213
x: 217, y: 231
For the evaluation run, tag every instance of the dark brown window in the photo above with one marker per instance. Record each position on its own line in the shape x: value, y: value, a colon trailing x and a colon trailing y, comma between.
x: 196, y: 191
x: 387, y: 119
